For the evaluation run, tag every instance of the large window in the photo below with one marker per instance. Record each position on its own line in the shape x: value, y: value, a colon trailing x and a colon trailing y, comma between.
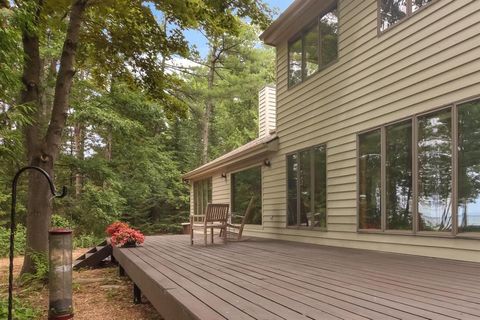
x: 469, y: 167
x: 246, y: 185
x: 392, y: 11
x: 307, y: 188
x: 202, y: 195
x: 314, y: 48
x: 422, y: 178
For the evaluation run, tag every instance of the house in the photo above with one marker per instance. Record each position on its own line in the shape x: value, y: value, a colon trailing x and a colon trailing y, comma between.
x: 370, y: 137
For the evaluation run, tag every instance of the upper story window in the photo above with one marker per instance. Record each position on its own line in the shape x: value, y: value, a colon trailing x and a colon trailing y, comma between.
x: 392, y: 11
x: 314, y: 48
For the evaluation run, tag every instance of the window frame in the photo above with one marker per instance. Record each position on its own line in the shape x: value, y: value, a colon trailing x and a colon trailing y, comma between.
x: 454, y: 107
x: 409, y: 14
x: 301, y: 35
x: 312, y: 185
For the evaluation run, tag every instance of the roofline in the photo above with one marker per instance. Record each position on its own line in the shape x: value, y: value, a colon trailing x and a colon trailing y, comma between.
x: 292, y: 20
x: 286, y: 17
x: 226, y: 160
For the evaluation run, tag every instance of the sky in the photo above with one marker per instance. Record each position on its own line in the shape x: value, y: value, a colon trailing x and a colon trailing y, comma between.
x: 196, y: 38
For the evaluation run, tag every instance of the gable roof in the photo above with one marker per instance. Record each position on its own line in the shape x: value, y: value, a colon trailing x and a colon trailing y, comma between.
x: 292, y: 20
x: 253, y: 149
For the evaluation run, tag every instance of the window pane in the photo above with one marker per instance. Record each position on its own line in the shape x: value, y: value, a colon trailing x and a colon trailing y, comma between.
x: 202, y: 195
x: 369, y: 180
x: 292, y: 167
x: 320, y: 217
x: 399, y: 176
x: 469, y: 167
x: 311, y: 51
x: 295, y: 60
x: 305, y: 188
x: 391, y: 11
x: 435, y: 171
x: 329, y: 37
x: 245, y: 185
x: 417, y: 4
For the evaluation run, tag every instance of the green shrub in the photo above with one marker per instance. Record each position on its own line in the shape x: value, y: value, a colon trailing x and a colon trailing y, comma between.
x: 22, y: 310
x: 20, y: 241
x: 162, y: 228
x: 40, y: 261
x: 86, y: 240
x: 61, y: 222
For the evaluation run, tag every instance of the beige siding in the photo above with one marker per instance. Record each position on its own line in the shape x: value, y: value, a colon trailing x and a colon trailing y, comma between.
x: 266, y: 111
x: 430, y: 60
x: 220, y: 188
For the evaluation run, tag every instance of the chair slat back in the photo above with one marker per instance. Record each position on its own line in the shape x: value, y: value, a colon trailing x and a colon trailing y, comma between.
x: 216, y: 212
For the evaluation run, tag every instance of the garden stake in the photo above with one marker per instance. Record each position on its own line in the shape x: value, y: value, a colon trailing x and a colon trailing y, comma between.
x: 12, y: 225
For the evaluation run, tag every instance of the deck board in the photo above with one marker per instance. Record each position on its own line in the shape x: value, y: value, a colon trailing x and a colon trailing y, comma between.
x: 269, y: 279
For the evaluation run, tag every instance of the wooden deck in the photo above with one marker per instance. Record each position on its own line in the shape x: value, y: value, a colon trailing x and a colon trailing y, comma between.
x: 269, y: 279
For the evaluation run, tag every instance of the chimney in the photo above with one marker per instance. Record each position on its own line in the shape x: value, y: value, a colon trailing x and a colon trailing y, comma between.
x: 267, y: 98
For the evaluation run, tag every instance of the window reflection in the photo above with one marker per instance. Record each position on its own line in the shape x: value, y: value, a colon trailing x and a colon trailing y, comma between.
x: 311, y: 51
x: 320, y: 213
x: 435, y: 171
x: 202, y: 195
x: 305, y: 187
x: 399, y: 176
x: 418, y: 4
x: 292, y: 167
x: 329, y: 37
x: 469, y: 167
x: 314, y: 48
x: 245, y: 185
x: 295, y: 60
x: 370, y: 182
x: 392, y: 11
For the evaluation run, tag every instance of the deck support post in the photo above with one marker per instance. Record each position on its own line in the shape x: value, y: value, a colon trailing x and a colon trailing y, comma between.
x: 121, y: 271
x: 137, y: 294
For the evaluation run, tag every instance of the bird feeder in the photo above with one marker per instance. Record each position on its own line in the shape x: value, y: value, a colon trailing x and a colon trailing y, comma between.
x: 60, y: 275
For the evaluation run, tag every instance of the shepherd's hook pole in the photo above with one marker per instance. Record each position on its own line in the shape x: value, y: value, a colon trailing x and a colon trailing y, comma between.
x: 13, y: 227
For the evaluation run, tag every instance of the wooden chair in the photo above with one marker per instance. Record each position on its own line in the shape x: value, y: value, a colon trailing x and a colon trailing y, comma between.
x: 245, y: 217
x: 215, y: 217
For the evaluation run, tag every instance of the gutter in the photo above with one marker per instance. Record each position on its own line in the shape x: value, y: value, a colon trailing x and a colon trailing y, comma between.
x: 215, y: 166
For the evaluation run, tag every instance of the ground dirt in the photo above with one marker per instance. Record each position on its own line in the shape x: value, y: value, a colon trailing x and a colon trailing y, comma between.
x: 97, y: 294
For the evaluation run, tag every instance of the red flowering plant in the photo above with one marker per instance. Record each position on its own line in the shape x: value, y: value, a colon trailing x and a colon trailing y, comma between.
x: 115, y: 227
x: 122, y: 235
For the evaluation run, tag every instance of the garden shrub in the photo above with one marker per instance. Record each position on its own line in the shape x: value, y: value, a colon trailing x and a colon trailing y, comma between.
x: 20, y: 240
x: 22, y: 310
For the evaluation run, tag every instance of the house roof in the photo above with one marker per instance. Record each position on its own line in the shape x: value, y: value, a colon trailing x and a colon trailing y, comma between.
x: 253, y: 149
x: 292, y: 20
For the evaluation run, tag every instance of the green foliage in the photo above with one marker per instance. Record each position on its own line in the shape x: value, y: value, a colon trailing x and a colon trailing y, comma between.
x: 22, y: 310
x: 60, y: 222
x: 86, y: 240
x: 132, y: 127
x: 20, y: 240
x: 40, y: 276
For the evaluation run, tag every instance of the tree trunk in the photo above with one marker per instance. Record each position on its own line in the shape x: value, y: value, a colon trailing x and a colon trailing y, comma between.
x: 207, y: 116
x: 79, y: 149
x: 109, y: 146
x: 37, y: 200
x: 43, y: 152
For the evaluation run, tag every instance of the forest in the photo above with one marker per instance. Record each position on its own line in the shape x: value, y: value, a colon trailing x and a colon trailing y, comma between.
x: 111, y: 99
